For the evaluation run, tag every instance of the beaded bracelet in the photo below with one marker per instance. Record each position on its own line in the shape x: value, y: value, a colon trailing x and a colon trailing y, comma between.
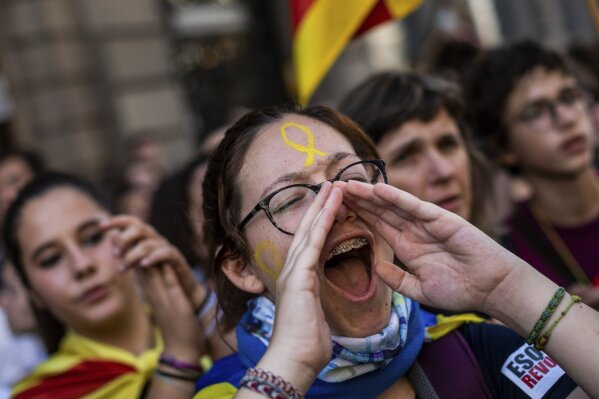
x: 544, y: 339
x: 268, y: 384
x: 540, y: 324
x: 172, y: 362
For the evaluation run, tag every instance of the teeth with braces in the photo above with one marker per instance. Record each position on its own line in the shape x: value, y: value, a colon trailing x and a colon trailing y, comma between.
x: 347, y: 246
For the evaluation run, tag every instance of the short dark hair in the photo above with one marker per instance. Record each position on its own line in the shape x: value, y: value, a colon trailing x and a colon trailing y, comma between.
x: 51, y: 329
x: 387, y: 100
x: 492, y: 80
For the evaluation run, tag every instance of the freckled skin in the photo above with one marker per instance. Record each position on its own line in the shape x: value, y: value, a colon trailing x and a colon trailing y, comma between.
x: 269, y: 158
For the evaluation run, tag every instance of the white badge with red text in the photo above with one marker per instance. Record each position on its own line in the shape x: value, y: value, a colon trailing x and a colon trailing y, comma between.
x: 532, y: 371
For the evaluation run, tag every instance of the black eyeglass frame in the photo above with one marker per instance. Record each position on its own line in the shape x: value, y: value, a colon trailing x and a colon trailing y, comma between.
x: 550, y: 105
x: 263, y: 204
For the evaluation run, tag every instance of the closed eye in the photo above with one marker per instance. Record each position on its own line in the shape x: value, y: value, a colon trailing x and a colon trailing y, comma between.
x: 48, y: 261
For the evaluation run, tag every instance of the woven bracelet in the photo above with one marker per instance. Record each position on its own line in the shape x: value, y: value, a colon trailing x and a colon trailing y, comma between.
x: 268, y: 384
x: 540, y: 324
x: 544, y: 339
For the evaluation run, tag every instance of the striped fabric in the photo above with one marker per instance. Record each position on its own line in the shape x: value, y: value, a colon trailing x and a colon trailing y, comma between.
x: 322, y: 28
x: 83, y: 368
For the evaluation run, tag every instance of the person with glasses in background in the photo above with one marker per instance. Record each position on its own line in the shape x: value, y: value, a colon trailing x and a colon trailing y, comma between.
x: 303, y: 229
x: 531, y: 116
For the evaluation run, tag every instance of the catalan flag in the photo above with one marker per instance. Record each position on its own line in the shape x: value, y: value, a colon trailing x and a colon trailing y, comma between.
x: 322, y: 28
x: 83, y: 368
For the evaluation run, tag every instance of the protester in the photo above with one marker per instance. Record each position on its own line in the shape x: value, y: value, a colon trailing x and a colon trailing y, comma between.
x: 418, y: 127
x: 307, y: 278
x: 75, y: 260
x: 531, y: 116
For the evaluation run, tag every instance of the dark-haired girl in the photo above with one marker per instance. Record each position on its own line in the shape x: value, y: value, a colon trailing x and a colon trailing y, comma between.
x: 75, y: 259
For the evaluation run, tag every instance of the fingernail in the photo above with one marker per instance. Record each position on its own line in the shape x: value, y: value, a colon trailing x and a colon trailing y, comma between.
x: 145, y: 262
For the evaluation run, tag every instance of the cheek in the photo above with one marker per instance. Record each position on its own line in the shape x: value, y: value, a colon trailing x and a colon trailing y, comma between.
x: 51, y: 286
x: 411, y: 179
x: 268, y: 251
x: 268, y: 259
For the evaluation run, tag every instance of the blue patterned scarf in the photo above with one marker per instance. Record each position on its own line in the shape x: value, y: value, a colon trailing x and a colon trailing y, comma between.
x: 366, y: 366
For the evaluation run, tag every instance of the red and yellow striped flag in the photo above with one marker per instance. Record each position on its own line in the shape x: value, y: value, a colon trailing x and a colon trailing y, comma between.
x: 322, y: 28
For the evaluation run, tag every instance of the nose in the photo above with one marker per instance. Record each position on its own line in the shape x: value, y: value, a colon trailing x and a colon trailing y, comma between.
x: 82, y: 264
x: 565, y: 116
x: 344, y: 214
x: 441, y: 167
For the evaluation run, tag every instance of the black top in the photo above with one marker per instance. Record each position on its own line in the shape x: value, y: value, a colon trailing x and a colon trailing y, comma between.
x: 506, y: 360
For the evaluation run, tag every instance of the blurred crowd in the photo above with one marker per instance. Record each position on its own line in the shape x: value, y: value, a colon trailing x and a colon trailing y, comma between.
x: 100, y: 279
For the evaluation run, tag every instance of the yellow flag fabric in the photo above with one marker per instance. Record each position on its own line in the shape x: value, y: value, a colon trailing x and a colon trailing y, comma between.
x: 83, y: 368
x: 446, y: 324
x: 325, y: 27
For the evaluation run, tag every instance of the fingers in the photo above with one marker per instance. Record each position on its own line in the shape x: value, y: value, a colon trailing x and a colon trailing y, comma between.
x: 311, y: 235
x: 384, y: 196
x: 400, y: 280
x: 130, y: 231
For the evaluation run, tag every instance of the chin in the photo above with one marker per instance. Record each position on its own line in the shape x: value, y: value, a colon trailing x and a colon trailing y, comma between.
x: 358, y: 320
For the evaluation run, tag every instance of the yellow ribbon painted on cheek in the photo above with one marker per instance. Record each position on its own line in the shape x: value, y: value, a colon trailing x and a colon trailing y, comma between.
x: 310, y: 149
x: 267, y: 246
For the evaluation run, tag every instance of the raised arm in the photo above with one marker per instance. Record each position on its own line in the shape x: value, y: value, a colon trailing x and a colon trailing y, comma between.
x: 301, y: 343
x: 453, y: 265
x: 172, y: 293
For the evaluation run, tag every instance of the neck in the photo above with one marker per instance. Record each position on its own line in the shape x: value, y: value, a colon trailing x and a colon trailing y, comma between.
x: 567, y: 201
x: 131, y: 330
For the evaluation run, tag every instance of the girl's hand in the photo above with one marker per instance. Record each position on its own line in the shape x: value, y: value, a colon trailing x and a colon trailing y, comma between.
x: 141, y: 246
x: 166, y: 280
x: 451, y: 264
x: 301, y: 343
x: 173, y: 312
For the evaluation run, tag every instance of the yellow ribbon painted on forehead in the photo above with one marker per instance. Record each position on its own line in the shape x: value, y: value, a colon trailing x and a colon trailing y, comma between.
x: 310, y: 149
x: 267, y: 246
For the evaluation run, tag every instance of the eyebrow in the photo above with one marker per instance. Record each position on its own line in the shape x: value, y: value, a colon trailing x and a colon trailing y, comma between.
x: 533, y: 101
x: 294, y: 176
x: 39, y: 250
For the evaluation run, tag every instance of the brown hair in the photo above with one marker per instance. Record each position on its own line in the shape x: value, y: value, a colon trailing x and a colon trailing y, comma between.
x: 387, y: 100
x: 222, y: 196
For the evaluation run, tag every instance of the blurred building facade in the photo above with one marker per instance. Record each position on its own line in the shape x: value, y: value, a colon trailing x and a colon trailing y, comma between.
x: 86, y: 77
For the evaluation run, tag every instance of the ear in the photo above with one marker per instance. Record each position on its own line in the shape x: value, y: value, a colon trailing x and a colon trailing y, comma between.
x: 241, y: 274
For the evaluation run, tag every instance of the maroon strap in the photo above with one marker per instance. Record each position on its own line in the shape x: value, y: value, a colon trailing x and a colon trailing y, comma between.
x: 447, y: 368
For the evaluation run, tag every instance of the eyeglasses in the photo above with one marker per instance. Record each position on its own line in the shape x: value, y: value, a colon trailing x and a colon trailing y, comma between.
x: 286, y: 206
x: 540, y: 110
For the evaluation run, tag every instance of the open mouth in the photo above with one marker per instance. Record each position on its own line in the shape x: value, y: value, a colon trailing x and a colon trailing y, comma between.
x: 348, y: 268
x: 574, y: 145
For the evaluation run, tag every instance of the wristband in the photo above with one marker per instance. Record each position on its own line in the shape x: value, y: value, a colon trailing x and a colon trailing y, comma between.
x: 268, y: 384
x: 176, y: 364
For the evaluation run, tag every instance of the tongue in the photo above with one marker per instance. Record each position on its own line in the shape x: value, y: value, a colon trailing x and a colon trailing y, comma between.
x: 350, y: 275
